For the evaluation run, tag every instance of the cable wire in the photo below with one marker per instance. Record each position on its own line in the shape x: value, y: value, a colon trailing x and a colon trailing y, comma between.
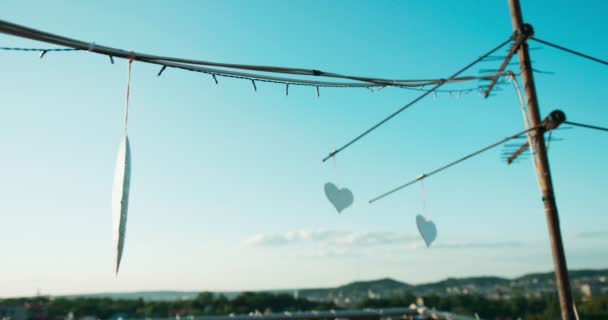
x: 519, y: 40
x: 524, y: 112
x: 404, y: 84
x: 426, y: 175
x: 374, y: 127
x: 38, y: 49
x: 588, y: 126
x: 286, y: 81
x: 570, y: 51
x: 33, y: 34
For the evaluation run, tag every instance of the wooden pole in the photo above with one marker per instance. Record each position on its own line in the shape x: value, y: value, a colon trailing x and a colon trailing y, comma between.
x: 542, y: 167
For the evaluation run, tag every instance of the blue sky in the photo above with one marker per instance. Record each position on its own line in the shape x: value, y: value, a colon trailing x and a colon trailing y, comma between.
x: 227, y: 183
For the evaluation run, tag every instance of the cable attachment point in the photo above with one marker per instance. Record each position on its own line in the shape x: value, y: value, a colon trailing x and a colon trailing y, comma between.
x: 553, y: 120
x: 528, y: 30
x: 255, y: 88
x: 215, y: 78
x: 43, y: 53
x: 111, y: 59
x: 131, y: 56
x: 331, y: 155
x: 547, y: 196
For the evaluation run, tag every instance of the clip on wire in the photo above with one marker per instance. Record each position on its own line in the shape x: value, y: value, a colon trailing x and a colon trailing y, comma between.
x: 161, y: 71
x: 318, y: 95
x: 111, y: 59
x: 91, y: 46
x: 214, y: 78
x: 287, y: 89
x: 43, y: 53
x: 254, y: 87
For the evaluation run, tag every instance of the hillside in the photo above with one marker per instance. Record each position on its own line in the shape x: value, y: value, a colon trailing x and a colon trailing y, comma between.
x: 357, y: 291
x: 534, y: 284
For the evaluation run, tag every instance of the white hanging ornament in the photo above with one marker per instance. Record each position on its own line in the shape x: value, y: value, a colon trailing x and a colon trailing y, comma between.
x: 339, y: 198
x: 427, y: 229
x: 120, y: 189
x: 120, y: 199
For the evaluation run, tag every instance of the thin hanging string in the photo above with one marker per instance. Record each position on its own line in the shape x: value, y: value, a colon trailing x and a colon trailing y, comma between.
x: 334, y: 162
x: 423, y: 193
x: 127, y: 99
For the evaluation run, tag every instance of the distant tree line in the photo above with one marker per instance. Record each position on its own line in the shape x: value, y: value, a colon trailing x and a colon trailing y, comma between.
x: 206, y: 303
x: 542, y: 308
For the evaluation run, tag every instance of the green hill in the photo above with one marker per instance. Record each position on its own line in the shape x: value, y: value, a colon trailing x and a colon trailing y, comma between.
x: 489, y: 286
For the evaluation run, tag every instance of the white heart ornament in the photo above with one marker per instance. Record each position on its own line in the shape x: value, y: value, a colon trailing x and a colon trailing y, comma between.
x: 120, y: 199
x: 427, y: 229
x: 339, y: 198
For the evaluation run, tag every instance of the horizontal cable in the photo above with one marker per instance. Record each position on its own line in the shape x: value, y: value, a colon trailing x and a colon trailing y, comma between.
x: 570, y: 51
x: 29, y: 33
x: 38, y: 49
x: 450, y: 91
x: 426, y: 175
x: 262, y: 78
x: 277, y: 80
x: 383, y: 121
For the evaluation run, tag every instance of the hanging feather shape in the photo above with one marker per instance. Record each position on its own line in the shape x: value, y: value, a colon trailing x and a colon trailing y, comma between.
x: 120, y: 199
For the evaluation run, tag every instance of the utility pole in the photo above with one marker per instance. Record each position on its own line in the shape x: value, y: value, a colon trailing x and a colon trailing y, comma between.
x: 543, y: 171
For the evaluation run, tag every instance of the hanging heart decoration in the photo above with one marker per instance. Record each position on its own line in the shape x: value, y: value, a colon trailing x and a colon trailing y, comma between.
x: 427, y: 229
x: 339, y: 198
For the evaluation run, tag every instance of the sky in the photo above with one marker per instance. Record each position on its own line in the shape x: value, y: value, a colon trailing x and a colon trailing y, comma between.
x: 227, y: 183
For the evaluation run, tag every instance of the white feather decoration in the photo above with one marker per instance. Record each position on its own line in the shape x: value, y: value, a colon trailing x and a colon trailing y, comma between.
x: 120, y: 199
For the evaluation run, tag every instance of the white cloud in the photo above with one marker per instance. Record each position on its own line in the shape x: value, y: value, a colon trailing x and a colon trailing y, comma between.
x: 479, y: 245
x: 330, y: 238
x: 339, y: 243
x: 593, y: 234
x: 266, y: 240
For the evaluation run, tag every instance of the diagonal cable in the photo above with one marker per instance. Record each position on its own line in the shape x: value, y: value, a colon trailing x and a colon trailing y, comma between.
x: 437, y: 86
x: 588, y: 126
x: 570, y: 51
x: 426, y: 175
